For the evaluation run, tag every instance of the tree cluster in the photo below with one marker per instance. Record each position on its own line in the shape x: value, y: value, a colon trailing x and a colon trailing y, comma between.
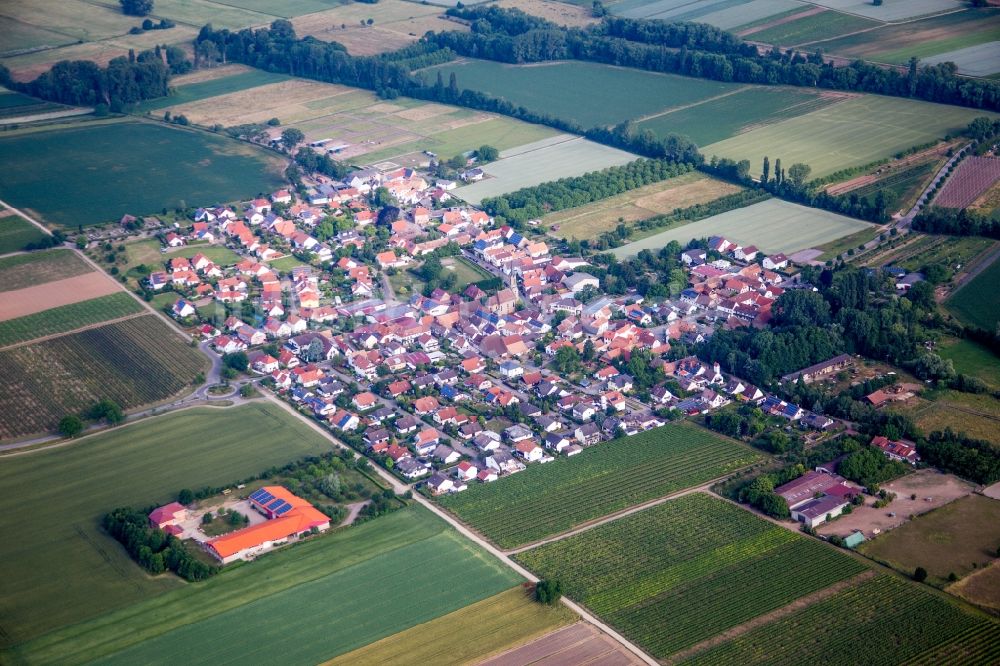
x: 973, y: 459
x: 151, y: 548
x: 548, y: 592
x: 870, y: 467
x: 957, y: 222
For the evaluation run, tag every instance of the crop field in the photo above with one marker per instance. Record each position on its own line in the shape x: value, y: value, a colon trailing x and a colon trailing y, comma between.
x: 989, y: 202
x: 26, y: 270
x: 678, y: 573
x: 281, y: 7
x: 813, y: 27
x: 855, y: 132
x: 41, y: 297
x: 893, y: 10
x: 977, y: 302
x: 16, y: 232
x: 567, y: 89
x: 750, y: 108
x: 193, y: 92
x: 548, y: 499
x: 954, y: 539
x: 325, y: 582
x: 67, y: 318
x: 772, y: 225
x: 132, y: 362
x: 62, y: 569
x: 76, y: 19
x: 593, y: 219
x: 973, y: 178
x: 551, y: 159
x: 884, y: 621
x: 971, y: 358
x: 978, y: 60
x: 107, y: 170
x: 905, y: 184
x: 466, y: 635
x: 724, y: 14
x: 572, y: 15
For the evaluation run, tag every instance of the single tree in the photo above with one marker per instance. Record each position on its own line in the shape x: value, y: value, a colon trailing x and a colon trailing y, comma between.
x: 766, y: 171
x: 291, y: 137
x: 70, y: 426
x: 487, y: 153
x: 920, y: 574
x: 185, y: 496
x: 548, y: 592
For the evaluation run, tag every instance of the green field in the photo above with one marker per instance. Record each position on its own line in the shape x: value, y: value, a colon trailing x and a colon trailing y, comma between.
x: 300, y: 605
x: 750, y: 108
x: 570, y: 90
x: 67, y: 318
x: 466, y: 271
x: 977, y: 302
x: 855, y: 132
x: 773, y: 226
x: 193, y: 92
x: 218, y: 254
x: 971, y: 358
x: 16, y: 232
x: 106, y: 170
x: 61, y: 569
x: 285, y: 264
x: 133, y: 362
x: 686, y: 570
x: 883, y: 620
x: 548, y: 499
x: 28, y: 270
x: 821, y: 26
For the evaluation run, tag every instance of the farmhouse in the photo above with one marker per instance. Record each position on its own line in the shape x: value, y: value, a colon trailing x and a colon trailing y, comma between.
x: 896, y: 450
x: 288, y: 516
x: 816, y: 497
x: 818, y: 371
x: 168, y: 516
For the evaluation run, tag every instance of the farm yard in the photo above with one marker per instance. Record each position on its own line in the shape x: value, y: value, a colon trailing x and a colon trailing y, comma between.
x: 68, y: 317
x: 968, y: 302
x: 681, y: 572
x: 593, y: 219
x: 133, y: 362
x: 405, y: 556
x: 471, y: 633
x: 544, y: 500
x: 26, y: 270
x: 550, y: 159
x: 957, y: 538
x: 883, y: 620
x: 106, y: 170
x: 773, y: 226
x: 54, y: 500
x: 973, y: 177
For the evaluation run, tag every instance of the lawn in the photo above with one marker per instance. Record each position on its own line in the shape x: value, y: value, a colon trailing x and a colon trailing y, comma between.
x: 217, y: 254
x: 821, y: 26
x: 62, y: 569
x: 301, y: 605
x: 884, y: 620
x: 567, y: 89
x: 193, y: 92
x: 286, y: 264
x: 971, y: 358
x: 593, y: 219
x: 541, y: 162
x: 974, y: 415
x: 466, y: 271
x: 678, y: 573
x: 772, y: 225
x: 28, y: 270
x: 68, y: 317
x: 955, y: 539
x: 977, y: 302
x: 855, y: 132
x: 133, y: 362
x: 548, y: 499
x: 104, y: 171
x: 16, y: 232
x: 467, y: 635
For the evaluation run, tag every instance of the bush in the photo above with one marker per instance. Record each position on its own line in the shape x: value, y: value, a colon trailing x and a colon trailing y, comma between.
x: 70, y: 426
x: 548, y: 592
x: 185, y: 496
x: 920, y: 574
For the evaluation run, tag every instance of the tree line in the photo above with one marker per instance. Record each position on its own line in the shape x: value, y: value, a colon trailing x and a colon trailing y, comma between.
x: 153, y: 549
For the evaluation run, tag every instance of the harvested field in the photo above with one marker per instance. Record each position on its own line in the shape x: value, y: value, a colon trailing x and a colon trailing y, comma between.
x: 981, y: 588
x: 581, y: 643
x: 978, y: 60
x: 552, y: 161
x: 772, y: 225
x: 592, y: 220
x: 557, y: 12
x: 954, y: 539
x: 133, y: 362
x: 893, y: 10
x: 468, y: 634
x: 973, y: 178
x: 192, y: 92
x: 23, y: 302
x: 25, y: 270
x: 69, y: 318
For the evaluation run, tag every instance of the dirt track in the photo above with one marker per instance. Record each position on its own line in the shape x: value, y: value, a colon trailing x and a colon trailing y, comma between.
x: 30, y: 300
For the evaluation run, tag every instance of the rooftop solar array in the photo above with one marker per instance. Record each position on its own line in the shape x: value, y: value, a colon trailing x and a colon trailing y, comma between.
x: 262, y: 496
x: 283, y: 510
x: 274, y: 504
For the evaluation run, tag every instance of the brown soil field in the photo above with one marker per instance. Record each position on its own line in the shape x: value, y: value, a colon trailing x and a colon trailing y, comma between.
x: 27, y: 270
x: 580, y: 643
x: 42, y: 297
x: 958, y: 538
x: 943, y: 488
x: 557, y: 12
x: 202, y: 75
x: 591, y: 220
x: 981, y: 588
x: 291, y: 101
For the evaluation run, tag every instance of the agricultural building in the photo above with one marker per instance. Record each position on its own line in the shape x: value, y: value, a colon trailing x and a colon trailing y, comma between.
x: 287, y: 516
x: 814, y: 496
x: 168, y: 514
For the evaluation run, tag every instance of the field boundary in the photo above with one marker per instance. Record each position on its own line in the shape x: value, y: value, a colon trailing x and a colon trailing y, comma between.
x: 51, y: 336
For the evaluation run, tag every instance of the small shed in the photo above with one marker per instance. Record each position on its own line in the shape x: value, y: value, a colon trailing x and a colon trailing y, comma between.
x: 854, y: 540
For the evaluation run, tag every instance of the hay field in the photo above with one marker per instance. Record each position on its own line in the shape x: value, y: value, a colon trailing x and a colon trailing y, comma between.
x: 852, y: 133
x: 557, y: 12
x: 772, y: 225
x: 592, y: 220
x: 573, y: 157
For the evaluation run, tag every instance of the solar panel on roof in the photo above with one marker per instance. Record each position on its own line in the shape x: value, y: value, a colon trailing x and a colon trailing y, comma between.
x: 275, y: 504
x: 257, y: 493
x: 283, y: 510
x: 265, y: 498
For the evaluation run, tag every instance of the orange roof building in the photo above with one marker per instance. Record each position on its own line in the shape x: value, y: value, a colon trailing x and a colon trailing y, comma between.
x: 288, y: 516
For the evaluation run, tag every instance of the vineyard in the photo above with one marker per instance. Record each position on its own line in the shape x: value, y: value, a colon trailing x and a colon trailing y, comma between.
x: 27, y: 270
x: 686, y: 570
x: 547, y: 499
x: 883, y: 621
x: 132, y: 362
x: 67, y: 318
x: 971, y: 179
